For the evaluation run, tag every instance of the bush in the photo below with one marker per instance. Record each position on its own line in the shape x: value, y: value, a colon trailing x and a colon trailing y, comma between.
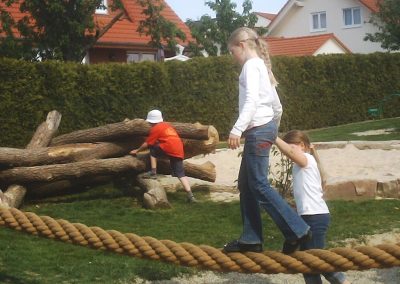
x: 315, y: 92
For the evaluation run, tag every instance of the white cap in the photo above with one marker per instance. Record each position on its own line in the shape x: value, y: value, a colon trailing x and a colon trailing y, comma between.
x: 154, y: 116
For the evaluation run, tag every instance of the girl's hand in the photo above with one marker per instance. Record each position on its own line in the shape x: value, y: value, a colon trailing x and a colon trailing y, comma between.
x: 133, y: 152
x: 233, y: 141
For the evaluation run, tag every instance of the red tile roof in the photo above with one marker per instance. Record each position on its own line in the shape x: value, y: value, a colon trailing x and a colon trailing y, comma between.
x: 371, y: 4
x: 123, y: 33
x: 300, y: 46
x: 15, y: 13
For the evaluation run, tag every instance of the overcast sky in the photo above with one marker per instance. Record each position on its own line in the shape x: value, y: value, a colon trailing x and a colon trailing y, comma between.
x: 194, y: 9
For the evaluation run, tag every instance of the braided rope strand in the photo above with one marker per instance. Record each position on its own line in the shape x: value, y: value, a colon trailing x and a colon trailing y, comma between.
x: 205, y: 257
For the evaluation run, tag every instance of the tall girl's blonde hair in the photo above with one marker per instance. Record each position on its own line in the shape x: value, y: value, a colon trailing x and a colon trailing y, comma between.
x: 253, y: 41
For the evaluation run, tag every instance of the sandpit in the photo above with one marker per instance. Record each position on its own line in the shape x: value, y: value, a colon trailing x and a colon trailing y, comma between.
x: 342, y: 161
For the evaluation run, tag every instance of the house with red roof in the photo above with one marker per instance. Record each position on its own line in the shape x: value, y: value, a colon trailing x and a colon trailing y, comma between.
x: 121, y: 42
x: 344, y: 22
x: 306, y: 45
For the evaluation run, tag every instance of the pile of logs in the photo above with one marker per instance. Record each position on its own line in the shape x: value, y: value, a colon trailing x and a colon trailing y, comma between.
x: 51, y: 165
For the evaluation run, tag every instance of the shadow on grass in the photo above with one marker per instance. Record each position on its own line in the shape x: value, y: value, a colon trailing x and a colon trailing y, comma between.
x: 108, y: 191
x: 4, y: 278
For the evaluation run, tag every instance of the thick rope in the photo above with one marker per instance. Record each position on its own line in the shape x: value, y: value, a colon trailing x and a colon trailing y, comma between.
x: 205, y: 257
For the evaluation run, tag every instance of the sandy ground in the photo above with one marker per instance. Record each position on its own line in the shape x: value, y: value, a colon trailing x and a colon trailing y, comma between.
x: 347, y: 161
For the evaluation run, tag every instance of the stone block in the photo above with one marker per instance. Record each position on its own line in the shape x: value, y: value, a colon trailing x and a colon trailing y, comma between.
x: 389, y: 189
x: 350, y: 189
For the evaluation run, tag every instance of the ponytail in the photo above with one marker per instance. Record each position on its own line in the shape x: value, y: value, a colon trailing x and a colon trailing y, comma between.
x: 264, y: 54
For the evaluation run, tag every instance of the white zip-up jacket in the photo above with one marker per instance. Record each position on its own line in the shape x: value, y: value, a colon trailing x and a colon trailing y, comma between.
x: 258, y: 100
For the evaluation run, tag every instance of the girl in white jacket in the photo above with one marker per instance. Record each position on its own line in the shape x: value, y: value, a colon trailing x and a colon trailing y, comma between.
x: 259, y: 114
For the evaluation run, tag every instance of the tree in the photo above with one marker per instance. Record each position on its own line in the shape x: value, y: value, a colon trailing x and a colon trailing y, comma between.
x: 66, y: 30
x: 213, y: 33
x: 388, y: 23
x: 52, y: 29
x: 9, y: 46
x: 157, y: 26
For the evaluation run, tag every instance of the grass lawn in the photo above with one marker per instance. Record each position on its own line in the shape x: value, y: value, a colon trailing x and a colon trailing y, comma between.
x: 30, y: 259
x: 346, y: 132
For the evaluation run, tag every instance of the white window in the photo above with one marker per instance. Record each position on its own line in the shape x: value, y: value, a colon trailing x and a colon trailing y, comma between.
x: 352, y: 17
x: 103, y: 8
x: 318, y: 21
x: 139, y: 57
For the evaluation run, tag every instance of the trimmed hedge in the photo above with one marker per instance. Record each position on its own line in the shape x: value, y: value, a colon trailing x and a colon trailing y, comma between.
x: 315, y: 92
x: 330, y: 90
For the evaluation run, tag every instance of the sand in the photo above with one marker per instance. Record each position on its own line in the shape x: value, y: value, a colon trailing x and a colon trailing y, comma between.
x: 349, y: 161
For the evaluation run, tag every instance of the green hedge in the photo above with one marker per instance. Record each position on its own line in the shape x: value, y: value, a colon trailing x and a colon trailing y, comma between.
x: 330, y: 90
x: 315, y: 92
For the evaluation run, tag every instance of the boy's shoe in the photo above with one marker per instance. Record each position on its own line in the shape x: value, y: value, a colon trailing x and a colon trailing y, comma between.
x: 192, y: 199
x: 291, y: 247
x: 149, y: 175
x: 236, y: 246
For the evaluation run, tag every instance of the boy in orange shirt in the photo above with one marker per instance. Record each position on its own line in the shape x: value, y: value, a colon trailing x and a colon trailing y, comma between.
x: 164, y: 141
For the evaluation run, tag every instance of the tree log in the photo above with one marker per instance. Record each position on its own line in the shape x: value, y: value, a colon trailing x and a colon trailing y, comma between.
x: 126, y: 129
x: 205, y: 171
x: 68, y: 153
x: 45, y: 132
x: 197, y: 147
x: 12, y: 157
x: 155, y: 195
x: 15, y: 194
x: 24, y: 175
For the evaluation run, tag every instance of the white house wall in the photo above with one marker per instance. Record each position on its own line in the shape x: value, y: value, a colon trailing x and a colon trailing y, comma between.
x: 262, y: 22
x: 330, y: 47
x: 297, y: 22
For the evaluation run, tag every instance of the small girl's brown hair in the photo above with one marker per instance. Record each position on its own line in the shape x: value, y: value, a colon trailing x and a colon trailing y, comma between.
x: 251, y: 37
x: 297, y: 136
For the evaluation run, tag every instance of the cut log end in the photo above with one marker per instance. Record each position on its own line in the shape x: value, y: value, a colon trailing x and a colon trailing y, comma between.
x: 155, y: 196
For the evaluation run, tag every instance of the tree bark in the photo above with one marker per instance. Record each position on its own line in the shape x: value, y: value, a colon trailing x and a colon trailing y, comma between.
x: 14, y: 195
x: 205, y: 171
x: 194, y: 147
x: 68, y: 153
x: 45, y: 132
x: 48, y: 173
x: 127, y: 129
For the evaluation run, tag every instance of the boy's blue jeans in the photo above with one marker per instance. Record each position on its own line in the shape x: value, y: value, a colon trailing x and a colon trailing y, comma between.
x: 319, y: 224
x: 255, y: 190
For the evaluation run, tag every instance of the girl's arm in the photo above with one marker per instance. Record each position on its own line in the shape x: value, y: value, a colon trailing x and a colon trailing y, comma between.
x: 250, y: 76
x: 293, y: 153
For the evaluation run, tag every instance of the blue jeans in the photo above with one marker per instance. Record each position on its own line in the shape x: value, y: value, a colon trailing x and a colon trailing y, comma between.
x: 319, y: 224
x: 255, y: 190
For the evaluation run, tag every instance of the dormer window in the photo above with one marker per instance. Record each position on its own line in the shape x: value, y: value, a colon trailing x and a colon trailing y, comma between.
x: 318, y: 21
x: 352, y: 17
x: 102, y: 9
